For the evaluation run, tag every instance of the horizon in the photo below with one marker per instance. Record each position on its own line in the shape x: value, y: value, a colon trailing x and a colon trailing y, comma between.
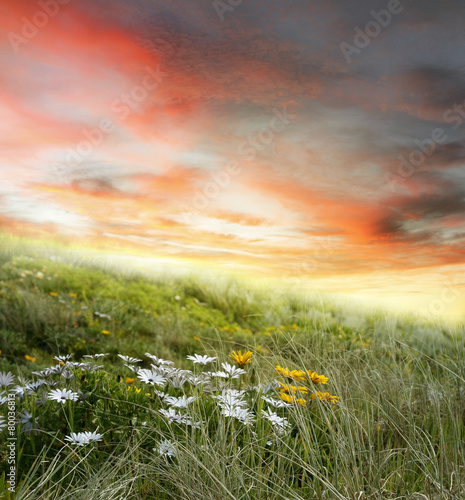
x: 316, y: 145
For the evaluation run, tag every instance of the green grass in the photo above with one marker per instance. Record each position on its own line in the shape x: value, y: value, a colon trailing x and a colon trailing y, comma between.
x: 398, y: 430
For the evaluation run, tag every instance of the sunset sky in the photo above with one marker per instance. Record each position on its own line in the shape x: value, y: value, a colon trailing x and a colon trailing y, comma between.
x: 320, y: 143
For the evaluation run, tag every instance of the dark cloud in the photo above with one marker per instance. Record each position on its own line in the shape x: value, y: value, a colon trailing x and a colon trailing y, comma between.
x: 435, y: 87
x: 422, y: 218
x: 449, y: 155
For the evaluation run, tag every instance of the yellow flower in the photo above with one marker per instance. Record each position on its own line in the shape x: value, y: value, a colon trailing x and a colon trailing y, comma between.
x: 30, y: 358
x: 292, y: 388
x: 147, y: 394
x: 286, y: 397
x: 241, y: 359
x: 196, y: 338
x: 53, y: 294
x: 293, y: 374
x: 129, y: 380
x: 73, y: 295
x: 325, y: 396
x: 137, y: 389
x: 317, y: 379
x: 105, y: 332
x: 291, y: 399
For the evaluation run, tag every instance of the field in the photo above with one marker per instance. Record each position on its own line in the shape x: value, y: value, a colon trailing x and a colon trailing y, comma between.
x: 387, y: 423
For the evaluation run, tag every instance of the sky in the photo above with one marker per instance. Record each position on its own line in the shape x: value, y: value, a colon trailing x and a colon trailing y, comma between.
x: 318, y: 143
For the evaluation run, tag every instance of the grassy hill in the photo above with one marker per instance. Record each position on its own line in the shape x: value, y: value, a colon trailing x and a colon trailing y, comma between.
x: 388, y: 423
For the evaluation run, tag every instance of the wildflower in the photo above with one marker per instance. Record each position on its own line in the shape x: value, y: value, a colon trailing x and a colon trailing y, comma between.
x: 181, y: 402
x: 218, y: 374
x: 202, y: 360
x: 53, y: 294
x: 28, y: 421
x: 64, y: 358
x: 63, y: 395
x: 130, y: 360
x: 244, y: 415
x: 241, y: 359
x: 232, y: 371
x: 32, y: 387
x: 291, y: 399
x: 292, y: 388
x: 166, y: 448
x: 150, y: 377
x: 159, y: 361
x: 30, y: 358
x: 6, y: 379
x: 275, y: 402
x: 298, y: 375
x: 95, y: 356
x: 279, y: 423
x: 3, y: 398
x: 67, y: 374
x: 317, y: 379
x: 129, y: 380
x: 105, y: 332
x: 53, y: 370
x: 232, y: 405
x: 325, y: 396
x: 197, y: 339
x: 177, y: 380
x: 73, y: 295
x: 83, y: 438
x: 160, y: 394
x: 173, y: 416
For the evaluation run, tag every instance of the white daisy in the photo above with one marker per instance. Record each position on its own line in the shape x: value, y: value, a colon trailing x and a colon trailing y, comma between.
x: 279, y: 423
x: 177, y: 380
x: 32, y: 387
x: 181, y: 402
x: 166, y: 448
x: 128, y: 359
x: 2, y: 423
x: 150, y: 377
x: 63, y: 358
x: 232, y: 371
x: 95, y: 356
x: 6, y: 379
x: 158, y: 361
x: 3, y: 398
x: 244, y: 415
x: 83, y: 438
x: 277, y: 403
x: 218, y: 374
x: 173, y: 416
x: 63, y: 395
x: 201, y: 360
x: 27, y: 421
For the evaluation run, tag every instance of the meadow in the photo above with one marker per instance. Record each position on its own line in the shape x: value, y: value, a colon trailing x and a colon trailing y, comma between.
x: 126, y: 386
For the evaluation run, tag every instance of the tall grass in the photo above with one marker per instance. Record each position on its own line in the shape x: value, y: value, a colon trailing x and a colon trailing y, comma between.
x: 397, y: 430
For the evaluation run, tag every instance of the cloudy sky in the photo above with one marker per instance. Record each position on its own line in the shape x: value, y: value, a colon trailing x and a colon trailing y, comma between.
x: 322, y: 140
